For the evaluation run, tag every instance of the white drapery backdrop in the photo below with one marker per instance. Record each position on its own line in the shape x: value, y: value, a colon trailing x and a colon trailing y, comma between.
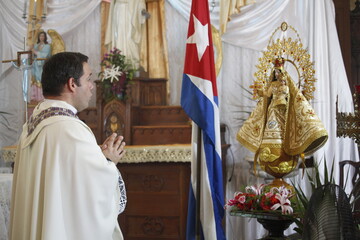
x: 77, y: 21
x: 247, y: 35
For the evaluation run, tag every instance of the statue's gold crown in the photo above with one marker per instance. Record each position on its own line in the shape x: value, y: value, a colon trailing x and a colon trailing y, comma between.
x: 295, y: 54
x: 279, y: 63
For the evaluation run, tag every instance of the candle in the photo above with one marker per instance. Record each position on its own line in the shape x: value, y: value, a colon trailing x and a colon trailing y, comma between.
x: 35, y: 8
x: 45, y: 7
x: 25, y: 5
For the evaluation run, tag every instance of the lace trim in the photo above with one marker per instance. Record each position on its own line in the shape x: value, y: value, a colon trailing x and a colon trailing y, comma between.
x: 123, y: 197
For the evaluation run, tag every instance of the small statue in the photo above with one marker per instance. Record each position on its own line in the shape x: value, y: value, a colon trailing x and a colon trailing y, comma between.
x: 283, y: 125
x: 41, y: 51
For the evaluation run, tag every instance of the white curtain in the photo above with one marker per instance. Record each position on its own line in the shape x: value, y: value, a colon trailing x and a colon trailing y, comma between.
x: 12, y: 34
x: 77, y: 21
x: 247, y: 35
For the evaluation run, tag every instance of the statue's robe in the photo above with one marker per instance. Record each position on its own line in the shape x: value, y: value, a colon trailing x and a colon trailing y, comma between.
x: 304, y: 132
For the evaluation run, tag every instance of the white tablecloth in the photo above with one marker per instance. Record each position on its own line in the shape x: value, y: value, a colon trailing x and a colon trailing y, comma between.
x: 5, y: 197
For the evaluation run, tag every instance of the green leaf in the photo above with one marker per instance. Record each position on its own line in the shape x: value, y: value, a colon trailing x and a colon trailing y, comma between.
x: 326, y: 177
x: 332, y: 180
x: 317, y: 177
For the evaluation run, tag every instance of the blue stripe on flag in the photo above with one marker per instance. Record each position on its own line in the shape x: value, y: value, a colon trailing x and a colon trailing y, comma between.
x: 196, y: 106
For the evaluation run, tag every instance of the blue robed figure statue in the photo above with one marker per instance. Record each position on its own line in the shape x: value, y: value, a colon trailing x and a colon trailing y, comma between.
x: 41, y: 50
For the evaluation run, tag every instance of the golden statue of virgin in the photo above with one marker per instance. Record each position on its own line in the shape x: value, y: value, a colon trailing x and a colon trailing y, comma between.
x: 283, y: 125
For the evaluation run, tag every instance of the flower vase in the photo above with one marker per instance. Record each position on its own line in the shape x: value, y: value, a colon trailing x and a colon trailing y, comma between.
x: 118, y: 87
x: 107, y: 91
x: 275, y: 227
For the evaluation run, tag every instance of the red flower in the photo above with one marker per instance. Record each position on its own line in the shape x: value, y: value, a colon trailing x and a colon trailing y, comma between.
x: 256, y: 198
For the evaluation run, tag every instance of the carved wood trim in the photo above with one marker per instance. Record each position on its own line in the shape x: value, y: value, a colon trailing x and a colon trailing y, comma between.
x: 153, y: 226
x: 116, y: 117
x: 153, y: 183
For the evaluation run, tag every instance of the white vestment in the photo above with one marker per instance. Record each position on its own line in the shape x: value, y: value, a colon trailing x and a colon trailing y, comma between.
x: 63, y: 186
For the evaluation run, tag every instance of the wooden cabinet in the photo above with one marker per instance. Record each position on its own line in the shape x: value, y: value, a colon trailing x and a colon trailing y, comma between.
x: 157, y: 200
x: 149, y: 92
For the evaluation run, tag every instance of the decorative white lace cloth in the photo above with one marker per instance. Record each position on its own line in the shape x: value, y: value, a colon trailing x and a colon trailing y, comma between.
x: 5, y: 198
x: 135, y: 154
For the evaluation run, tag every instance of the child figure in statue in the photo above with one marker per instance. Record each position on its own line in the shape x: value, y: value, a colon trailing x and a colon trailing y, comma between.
x: 282, y: 126
x: 42, y: 50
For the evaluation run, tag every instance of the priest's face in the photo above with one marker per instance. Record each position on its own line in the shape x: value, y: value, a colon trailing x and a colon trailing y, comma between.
x: 84, y: 91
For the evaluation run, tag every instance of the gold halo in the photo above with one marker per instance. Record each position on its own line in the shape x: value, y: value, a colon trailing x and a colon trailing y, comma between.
x: 292, y: 51
x: 284, y: 26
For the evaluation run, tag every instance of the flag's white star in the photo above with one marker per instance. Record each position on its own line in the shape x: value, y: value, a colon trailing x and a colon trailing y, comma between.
x: 200, y: 37
x: 112, y: 73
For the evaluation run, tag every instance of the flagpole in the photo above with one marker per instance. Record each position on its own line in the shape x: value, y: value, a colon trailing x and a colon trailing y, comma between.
x: 198, y: 186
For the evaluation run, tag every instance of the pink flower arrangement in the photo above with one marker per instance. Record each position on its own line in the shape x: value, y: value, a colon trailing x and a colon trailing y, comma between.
x: 262, y: 199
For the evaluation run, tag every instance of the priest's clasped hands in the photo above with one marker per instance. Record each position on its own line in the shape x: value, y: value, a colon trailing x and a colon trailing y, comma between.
x: 113, y: 148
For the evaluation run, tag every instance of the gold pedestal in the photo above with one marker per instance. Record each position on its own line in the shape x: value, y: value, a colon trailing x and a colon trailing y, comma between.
x: 278, y: 182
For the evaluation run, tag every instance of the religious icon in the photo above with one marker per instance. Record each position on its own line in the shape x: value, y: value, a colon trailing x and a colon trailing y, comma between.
x: 283, y: 126
x: 42, y: 50
x: 114, y: 124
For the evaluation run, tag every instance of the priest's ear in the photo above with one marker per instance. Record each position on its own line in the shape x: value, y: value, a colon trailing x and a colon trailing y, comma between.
x: 71, y: 84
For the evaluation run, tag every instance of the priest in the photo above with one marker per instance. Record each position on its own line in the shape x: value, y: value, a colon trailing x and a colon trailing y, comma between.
x: 65, y: 186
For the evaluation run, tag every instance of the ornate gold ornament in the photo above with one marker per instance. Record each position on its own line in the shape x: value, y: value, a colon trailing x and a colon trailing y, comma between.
x: 292, y: 51
x: 283, y: 126
x: 348, y: 123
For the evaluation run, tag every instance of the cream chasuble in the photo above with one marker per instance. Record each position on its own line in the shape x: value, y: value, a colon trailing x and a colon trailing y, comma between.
x: 63, y: 187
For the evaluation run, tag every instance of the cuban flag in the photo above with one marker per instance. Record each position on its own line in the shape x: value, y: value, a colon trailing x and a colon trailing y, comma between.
x: 199, y: 99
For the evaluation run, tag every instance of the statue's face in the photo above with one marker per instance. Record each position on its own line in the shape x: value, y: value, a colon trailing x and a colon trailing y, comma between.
x: 277, y: 73
x: 42, y: 37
